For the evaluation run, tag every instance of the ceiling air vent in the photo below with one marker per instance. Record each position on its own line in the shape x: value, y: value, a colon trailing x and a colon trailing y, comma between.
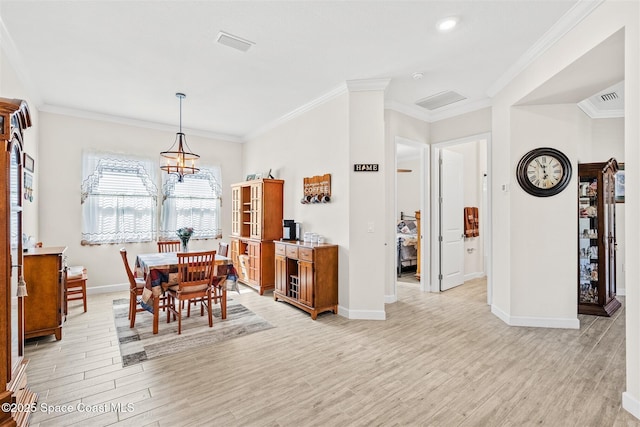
x: 609, y: 96
x: 440, y: 100
x: 234, y: 41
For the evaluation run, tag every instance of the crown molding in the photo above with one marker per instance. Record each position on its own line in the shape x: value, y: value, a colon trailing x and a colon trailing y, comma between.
x: 14, y: 57
x: 340, y: 90
x: 595, y: 113
x: 566, y: 23
x: 430, y: 117
x: 462, y: 109
x: 348, y: 86
x: 413, y: 111
x: 82, y: 114
x: 367, y: 84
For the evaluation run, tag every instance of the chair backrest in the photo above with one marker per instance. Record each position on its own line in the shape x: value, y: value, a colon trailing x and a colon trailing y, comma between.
x: 169, y: 246
x: 132, y: 279
x: 223, y: 249
x: 196, y: 270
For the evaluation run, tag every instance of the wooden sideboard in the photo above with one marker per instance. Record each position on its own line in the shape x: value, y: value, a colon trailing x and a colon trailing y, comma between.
x: 44, y: 305
x: 307, y: 276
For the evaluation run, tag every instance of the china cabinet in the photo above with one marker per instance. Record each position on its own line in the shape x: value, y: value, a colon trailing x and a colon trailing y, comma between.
x: 256, y: 221
x: 14, y: 120
x: 597, y: 238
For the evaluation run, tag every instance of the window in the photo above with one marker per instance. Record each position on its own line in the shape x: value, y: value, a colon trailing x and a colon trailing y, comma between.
x: 195, y: 202
x: 119, y: 199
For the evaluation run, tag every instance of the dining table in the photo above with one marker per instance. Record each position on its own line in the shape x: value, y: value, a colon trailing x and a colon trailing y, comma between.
x: 160, y: 271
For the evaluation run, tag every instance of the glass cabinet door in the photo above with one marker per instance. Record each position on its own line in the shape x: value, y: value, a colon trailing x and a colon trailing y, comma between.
x: 588, y: 239
x: 16, y: 251
x: 597, y: 239
x: 609, y: 232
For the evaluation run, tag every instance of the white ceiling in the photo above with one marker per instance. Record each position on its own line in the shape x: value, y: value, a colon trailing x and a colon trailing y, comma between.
x: 128, y: 58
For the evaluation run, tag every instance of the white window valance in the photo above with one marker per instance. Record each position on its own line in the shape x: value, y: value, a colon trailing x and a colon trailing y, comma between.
x: 194, y: 202
x: 119, y: 199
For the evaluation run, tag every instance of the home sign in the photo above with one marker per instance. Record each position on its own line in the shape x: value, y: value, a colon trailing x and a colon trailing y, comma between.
x: 365, y: 167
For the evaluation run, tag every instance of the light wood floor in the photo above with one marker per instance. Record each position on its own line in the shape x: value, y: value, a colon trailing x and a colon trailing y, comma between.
x: 438, y: 360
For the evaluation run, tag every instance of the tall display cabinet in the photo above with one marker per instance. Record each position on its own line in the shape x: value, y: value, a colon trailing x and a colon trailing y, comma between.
x: 256, y: 221
x: 14, y: 120
x: 597, y: 238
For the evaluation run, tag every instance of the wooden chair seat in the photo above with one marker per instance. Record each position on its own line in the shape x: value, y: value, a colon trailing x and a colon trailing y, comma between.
x: 75, y: 286
x: 195, y: 278
x: 136, y: 287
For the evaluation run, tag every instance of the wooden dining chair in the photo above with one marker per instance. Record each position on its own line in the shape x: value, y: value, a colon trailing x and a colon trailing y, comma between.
x: 195, y: 276
x: 75, y: 286
x: 223, y: 249
x: 136, y: 286
x: 169, y: 246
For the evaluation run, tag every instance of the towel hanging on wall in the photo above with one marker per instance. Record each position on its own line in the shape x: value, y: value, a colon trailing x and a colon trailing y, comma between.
x: 471, y: 222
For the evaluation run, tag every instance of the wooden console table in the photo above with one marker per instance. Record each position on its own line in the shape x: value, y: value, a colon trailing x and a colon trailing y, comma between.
x: 307, y: 276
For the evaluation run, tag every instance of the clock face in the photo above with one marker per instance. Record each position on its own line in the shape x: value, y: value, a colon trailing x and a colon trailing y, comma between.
x: 544, y: 172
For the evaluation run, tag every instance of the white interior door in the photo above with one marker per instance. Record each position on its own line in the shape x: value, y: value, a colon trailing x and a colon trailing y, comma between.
x: 451, y: 219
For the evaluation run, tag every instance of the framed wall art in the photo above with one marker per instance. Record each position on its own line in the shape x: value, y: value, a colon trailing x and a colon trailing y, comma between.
x: 29, y: 163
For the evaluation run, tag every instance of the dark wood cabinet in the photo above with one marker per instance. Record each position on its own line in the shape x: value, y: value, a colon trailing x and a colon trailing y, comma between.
x: 14, y: 120
x: 307, y: 276
x: 256, y: 220
x: 44, y: 308
x: 597, y: 239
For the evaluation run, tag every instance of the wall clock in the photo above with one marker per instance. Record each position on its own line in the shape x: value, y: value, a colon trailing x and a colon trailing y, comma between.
x: 544, y: 172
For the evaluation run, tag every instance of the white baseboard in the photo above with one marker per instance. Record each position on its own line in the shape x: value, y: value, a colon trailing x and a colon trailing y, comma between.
x: 472, y: 276
x: 631, y: 404
x: 390, y: 299
x: 536, y: 322
x: 106, y: 289
x: 361, y: 314
x: 621, y: 292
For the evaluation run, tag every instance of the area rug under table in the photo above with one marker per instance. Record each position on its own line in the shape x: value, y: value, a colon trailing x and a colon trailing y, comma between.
x: 139, y: 344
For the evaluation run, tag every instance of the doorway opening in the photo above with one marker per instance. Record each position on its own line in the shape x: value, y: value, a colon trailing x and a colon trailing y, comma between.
x: 411, y: 203
x: 461, y: 212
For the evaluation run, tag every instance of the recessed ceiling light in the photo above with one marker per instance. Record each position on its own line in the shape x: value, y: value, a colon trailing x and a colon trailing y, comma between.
x: 417, y: 75
x: 447, y: 24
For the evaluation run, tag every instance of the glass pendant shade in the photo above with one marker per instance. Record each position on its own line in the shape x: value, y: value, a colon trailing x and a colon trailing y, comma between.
x: 179, y: 159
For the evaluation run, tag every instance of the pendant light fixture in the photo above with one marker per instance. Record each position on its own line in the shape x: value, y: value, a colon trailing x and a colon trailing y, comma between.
x: 180, y: 161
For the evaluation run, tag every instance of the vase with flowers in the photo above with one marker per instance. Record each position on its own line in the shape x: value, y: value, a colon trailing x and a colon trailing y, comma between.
x: 185, y: 234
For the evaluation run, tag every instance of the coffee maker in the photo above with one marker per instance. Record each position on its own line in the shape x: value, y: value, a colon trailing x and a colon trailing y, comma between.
x: 290, y: 229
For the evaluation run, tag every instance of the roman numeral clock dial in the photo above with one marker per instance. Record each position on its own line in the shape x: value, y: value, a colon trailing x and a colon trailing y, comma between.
x: 544, y: 172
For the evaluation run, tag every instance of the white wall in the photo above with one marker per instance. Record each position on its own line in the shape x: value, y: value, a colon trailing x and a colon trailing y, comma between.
x: 313, y: 143
x: 408, y: 187
x: 12, y: 87
x: 543, y: 230
x: 468, y: 124
x: 511, y: 286
x: 368, y: 204
x: 63, y: 138
x: 607, y: 141
x: 330, y: 138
